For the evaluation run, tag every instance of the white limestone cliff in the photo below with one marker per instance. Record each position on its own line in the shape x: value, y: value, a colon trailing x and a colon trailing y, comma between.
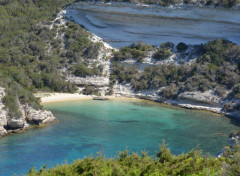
x: 29, y: 117
x: 3, y: 114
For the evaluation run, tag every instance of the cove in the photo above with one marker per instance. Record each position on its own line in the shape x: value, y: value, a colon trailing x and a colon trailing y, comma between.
x: 86, y: 127
x: 121, y: 24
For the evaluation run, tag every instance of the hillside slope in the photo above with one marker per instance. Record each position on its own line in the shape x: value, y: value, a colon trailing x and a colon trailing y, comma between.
x: 25, y: 65
x: 42, y: 50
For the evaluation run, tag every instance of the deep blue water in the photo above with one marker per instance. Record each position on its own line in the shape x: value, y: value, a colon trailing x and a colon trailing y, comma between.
x: 86, y: 127
x: 122, y: 24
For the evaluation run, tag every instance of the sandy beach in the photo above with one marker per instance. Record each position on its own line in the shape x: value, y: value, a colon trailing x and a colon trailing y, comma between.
x: 47, y: 97
x: 53, y: 97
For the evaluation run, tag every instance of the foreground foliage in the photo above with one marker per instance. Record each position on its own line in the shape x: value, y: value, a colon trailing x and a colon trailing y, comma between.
x: 164, y: 163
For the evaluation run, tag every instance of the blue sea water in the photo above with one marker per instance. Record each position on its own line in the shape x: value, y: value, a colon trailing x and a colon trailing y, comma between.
x: 86, y: 127
x: 122, y: 24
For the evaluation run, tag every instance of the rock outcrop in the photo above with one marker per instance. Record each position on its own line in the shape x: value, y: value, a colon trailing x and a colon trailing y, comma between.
x: 15, y: 123
x: 38, y: 116
x: 3, y: 114
x: 206, y: 101
x: 29, y: 117
x: 205, y: 97
x: 3, y: 131
x: 200, y: 101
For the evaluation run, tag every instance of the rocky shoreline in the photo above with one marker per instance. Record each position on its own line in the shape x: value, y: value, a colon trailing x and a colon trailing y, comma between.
x: 30, y: 117
x: 205, y: 101
x: 192, y: 105
x: 192, y: 100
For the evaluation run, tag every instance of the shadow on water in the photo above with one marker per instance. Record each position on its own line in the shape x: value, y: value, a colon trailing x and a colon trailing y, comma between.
x: 235, y: 122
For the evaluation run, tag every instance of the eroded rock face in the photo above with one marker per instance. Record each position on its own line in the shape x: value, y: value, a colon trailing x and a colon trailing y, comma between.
x: 29, y: 116
x: 205, y: 97
x: 38, y: 116
x: 3, y: 118
x: 3, y: 114
x: 3, y: 131
x: 15, y: 123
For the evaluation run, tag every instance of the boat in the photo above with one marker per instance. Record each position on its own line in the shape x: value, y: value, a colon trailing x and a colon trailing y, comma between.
x: 100, y: 98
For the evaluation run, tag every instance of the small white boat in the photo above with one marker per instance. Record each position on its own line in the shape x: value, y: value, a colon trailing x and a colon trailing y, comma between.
x: 100, y: 98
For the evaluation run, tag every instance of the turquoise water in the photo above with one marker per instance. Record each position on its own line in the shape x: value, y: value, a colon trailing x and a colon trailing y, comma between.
x: 87, y: 127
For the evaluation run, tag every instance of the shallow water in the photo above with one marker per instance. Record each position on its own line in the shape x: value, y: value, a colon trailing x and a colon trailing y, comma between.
x: 87, y: 127
x: 124, y: 24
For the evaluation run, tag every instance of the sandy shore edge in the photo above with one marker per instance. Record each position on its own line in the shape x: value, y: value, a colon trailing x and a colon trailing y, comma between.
x: 46, y: 97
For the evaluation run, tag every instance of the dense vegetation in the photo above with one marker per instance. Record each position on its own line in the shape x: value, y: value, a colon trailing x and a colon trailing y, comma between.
x: 36, y: 52
x: 16, y: 94
x: 83, y: 70
x: 135, y: 51
x: 216, y: 68
x: 33, y: 55
x: 164, y: 163
x: 25, y: 64
x: 140, y: 50
x: 22, y: 45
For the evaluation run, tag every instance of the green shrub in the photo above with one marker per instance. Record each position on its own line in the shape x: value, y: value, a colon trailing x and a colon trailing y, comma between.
x: 123, y: 73
x: 221, y: 91
x: 90, y: 90
x: 181, y: 47
x: 16, y: 94
x: 167, y: 45
x: 135, y: 51
x: 169, y: 92
x: 164, y: 163
x: 92, y: 51
x: 83, y: 71
x: 228, y: 107
x: 235, y: 93
x: 11, y: 104
x: 162, y: 54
